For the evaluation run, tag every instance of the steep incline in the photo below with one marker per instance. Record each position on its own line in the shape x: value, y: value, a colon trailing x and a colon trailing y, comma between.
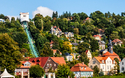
x: 30, y: 39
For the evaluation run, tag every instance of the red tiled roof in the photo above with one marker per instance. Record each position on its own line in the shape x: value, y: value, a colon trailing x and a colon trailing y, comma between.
x: 116, y: 40
x: 59, y: 60
x: 106, y: 55
x: 80, y: 67
x: 97, y: 36
x: 39, y: 60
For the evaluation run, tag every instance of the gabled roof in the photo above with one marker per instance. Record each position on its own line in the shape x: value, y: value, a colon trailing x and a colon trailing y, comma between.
x: 23, y: 62
x: 55, y: 51
x: 39, y: 60
x: 117, y: 41
x: 80, y: 67
x: 86, y: 51
x: 59, y: 60
x: 97, y: 36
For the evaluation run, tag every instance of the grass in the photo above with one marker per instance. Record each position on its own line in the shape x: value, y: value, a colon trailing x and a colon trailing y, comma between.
x: 123, y: 76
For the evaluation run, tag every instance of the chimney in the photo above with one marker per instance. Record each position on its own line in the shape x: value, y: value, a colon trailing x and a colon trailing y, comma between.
x: 83, y: 63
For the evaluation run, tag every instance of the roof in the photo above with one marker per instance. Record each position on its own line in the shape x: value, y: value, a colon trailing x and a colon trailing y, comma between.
x: 39, y: 60
x: 74, y: 44
x: 31, y: 64
x: 97, y: 36
x: 67, y: 54
x: 117, y: 41
x: 51, y: 42
x: 108, y: 54
x: 80, y: 67
x: 6, y: 74
x: 59, y: 60
x: 86, y: 51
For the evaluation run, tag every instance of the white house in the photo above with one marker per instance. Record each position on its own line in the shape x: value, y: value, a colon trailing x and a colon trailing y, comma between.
x: 56, y: 31
x: 97, y: 37
x: 122, y: 65
x: 106, y: 64
x: 68, y: 57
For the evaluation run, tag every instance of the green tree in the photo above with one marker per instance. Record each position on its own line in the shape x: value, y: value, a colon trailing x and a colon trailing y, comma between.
x: 96, y: 71
x: 12, y: 20
x: 114, y: 35
x: 94, y: 45
x: 83, y: 58
x: 76, y: 31
x: 82, y: 47
x: 10, y: 55
x: 20, y: 37
x: 36, y: 71
x: 46, y: 50
x: 63, y: 71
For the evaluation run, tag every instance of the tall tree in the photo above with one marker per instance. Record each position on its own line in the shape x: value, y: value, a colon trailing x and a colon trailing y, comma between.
x: 36, y: 71
x: 94, y: 45
x: 10, y: 55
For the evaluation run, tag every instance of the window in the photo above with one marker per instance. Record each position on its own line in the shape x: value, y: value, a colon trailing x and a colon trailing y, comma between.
x: 38, y: 61
x: 94, y: 62
x: 33, y: 61
x: 50, y: 65
x: 107, y: 67
x: 47, y: 65
x: 122, y: 68
x: 81, y: 67
x: 85, y: 67
x: 54, y: 64
x: 102, y: 61
x: 24, y: 15
x: 122, y: 63
x: 103, y: 67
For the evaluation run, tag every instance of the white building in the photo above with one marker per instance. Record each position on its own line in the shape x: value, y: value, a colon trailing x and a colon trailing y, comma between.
x: 122, y: 65
x: 89, y: 55
x: 106, y: 64
x: 24, y: 17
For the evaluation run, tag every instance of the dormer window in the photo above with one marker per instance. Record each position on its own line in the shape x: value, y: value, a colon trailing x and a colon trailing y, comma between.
x: 85, y: 68
x: 38, y: 61
x: 81, y: 67
x: 102, y: 61
x: 33, y: 61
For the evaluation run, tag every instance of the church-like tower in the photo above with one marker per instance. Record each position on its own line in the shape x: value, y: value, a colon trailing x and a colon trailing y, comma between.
x: 110, y: 46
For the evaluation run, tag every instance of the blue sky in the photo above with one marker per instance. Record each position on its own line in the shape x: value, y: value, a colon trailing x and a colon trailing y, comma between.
x: 46, y: 7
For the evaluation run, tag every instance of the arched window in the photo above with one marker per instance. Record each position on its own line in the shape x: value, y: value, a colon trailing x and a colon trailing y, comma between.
x: 122, y: 68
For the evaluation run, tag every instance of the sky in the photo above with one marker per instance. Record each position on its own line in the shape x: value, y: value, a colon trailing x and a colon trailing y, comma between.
x: 12, y: 8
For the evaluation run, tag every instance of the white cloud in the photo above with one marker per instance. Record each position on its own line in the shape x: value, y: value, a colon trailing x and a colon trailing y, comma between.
x: 12, y: 16
x: 43, y: 11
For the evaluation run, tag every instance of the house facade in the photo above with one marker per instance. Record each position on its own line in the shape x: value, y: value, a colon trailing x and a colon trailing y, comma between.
x: 122, y: 65
x: 56, y: 31
x: 49, y: 64
x: 23, y: 70
x: 101, y: 45
x: 106, y: 62
x: 117, y: 42
x: 68, y: 57
x: 82, y: 70
x: 89, y: 55
x: 69, y: 34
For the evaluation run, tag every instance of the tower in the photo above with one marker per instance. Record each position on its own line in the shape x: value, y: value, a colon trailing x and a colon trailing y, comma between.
x: 110, y: 46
